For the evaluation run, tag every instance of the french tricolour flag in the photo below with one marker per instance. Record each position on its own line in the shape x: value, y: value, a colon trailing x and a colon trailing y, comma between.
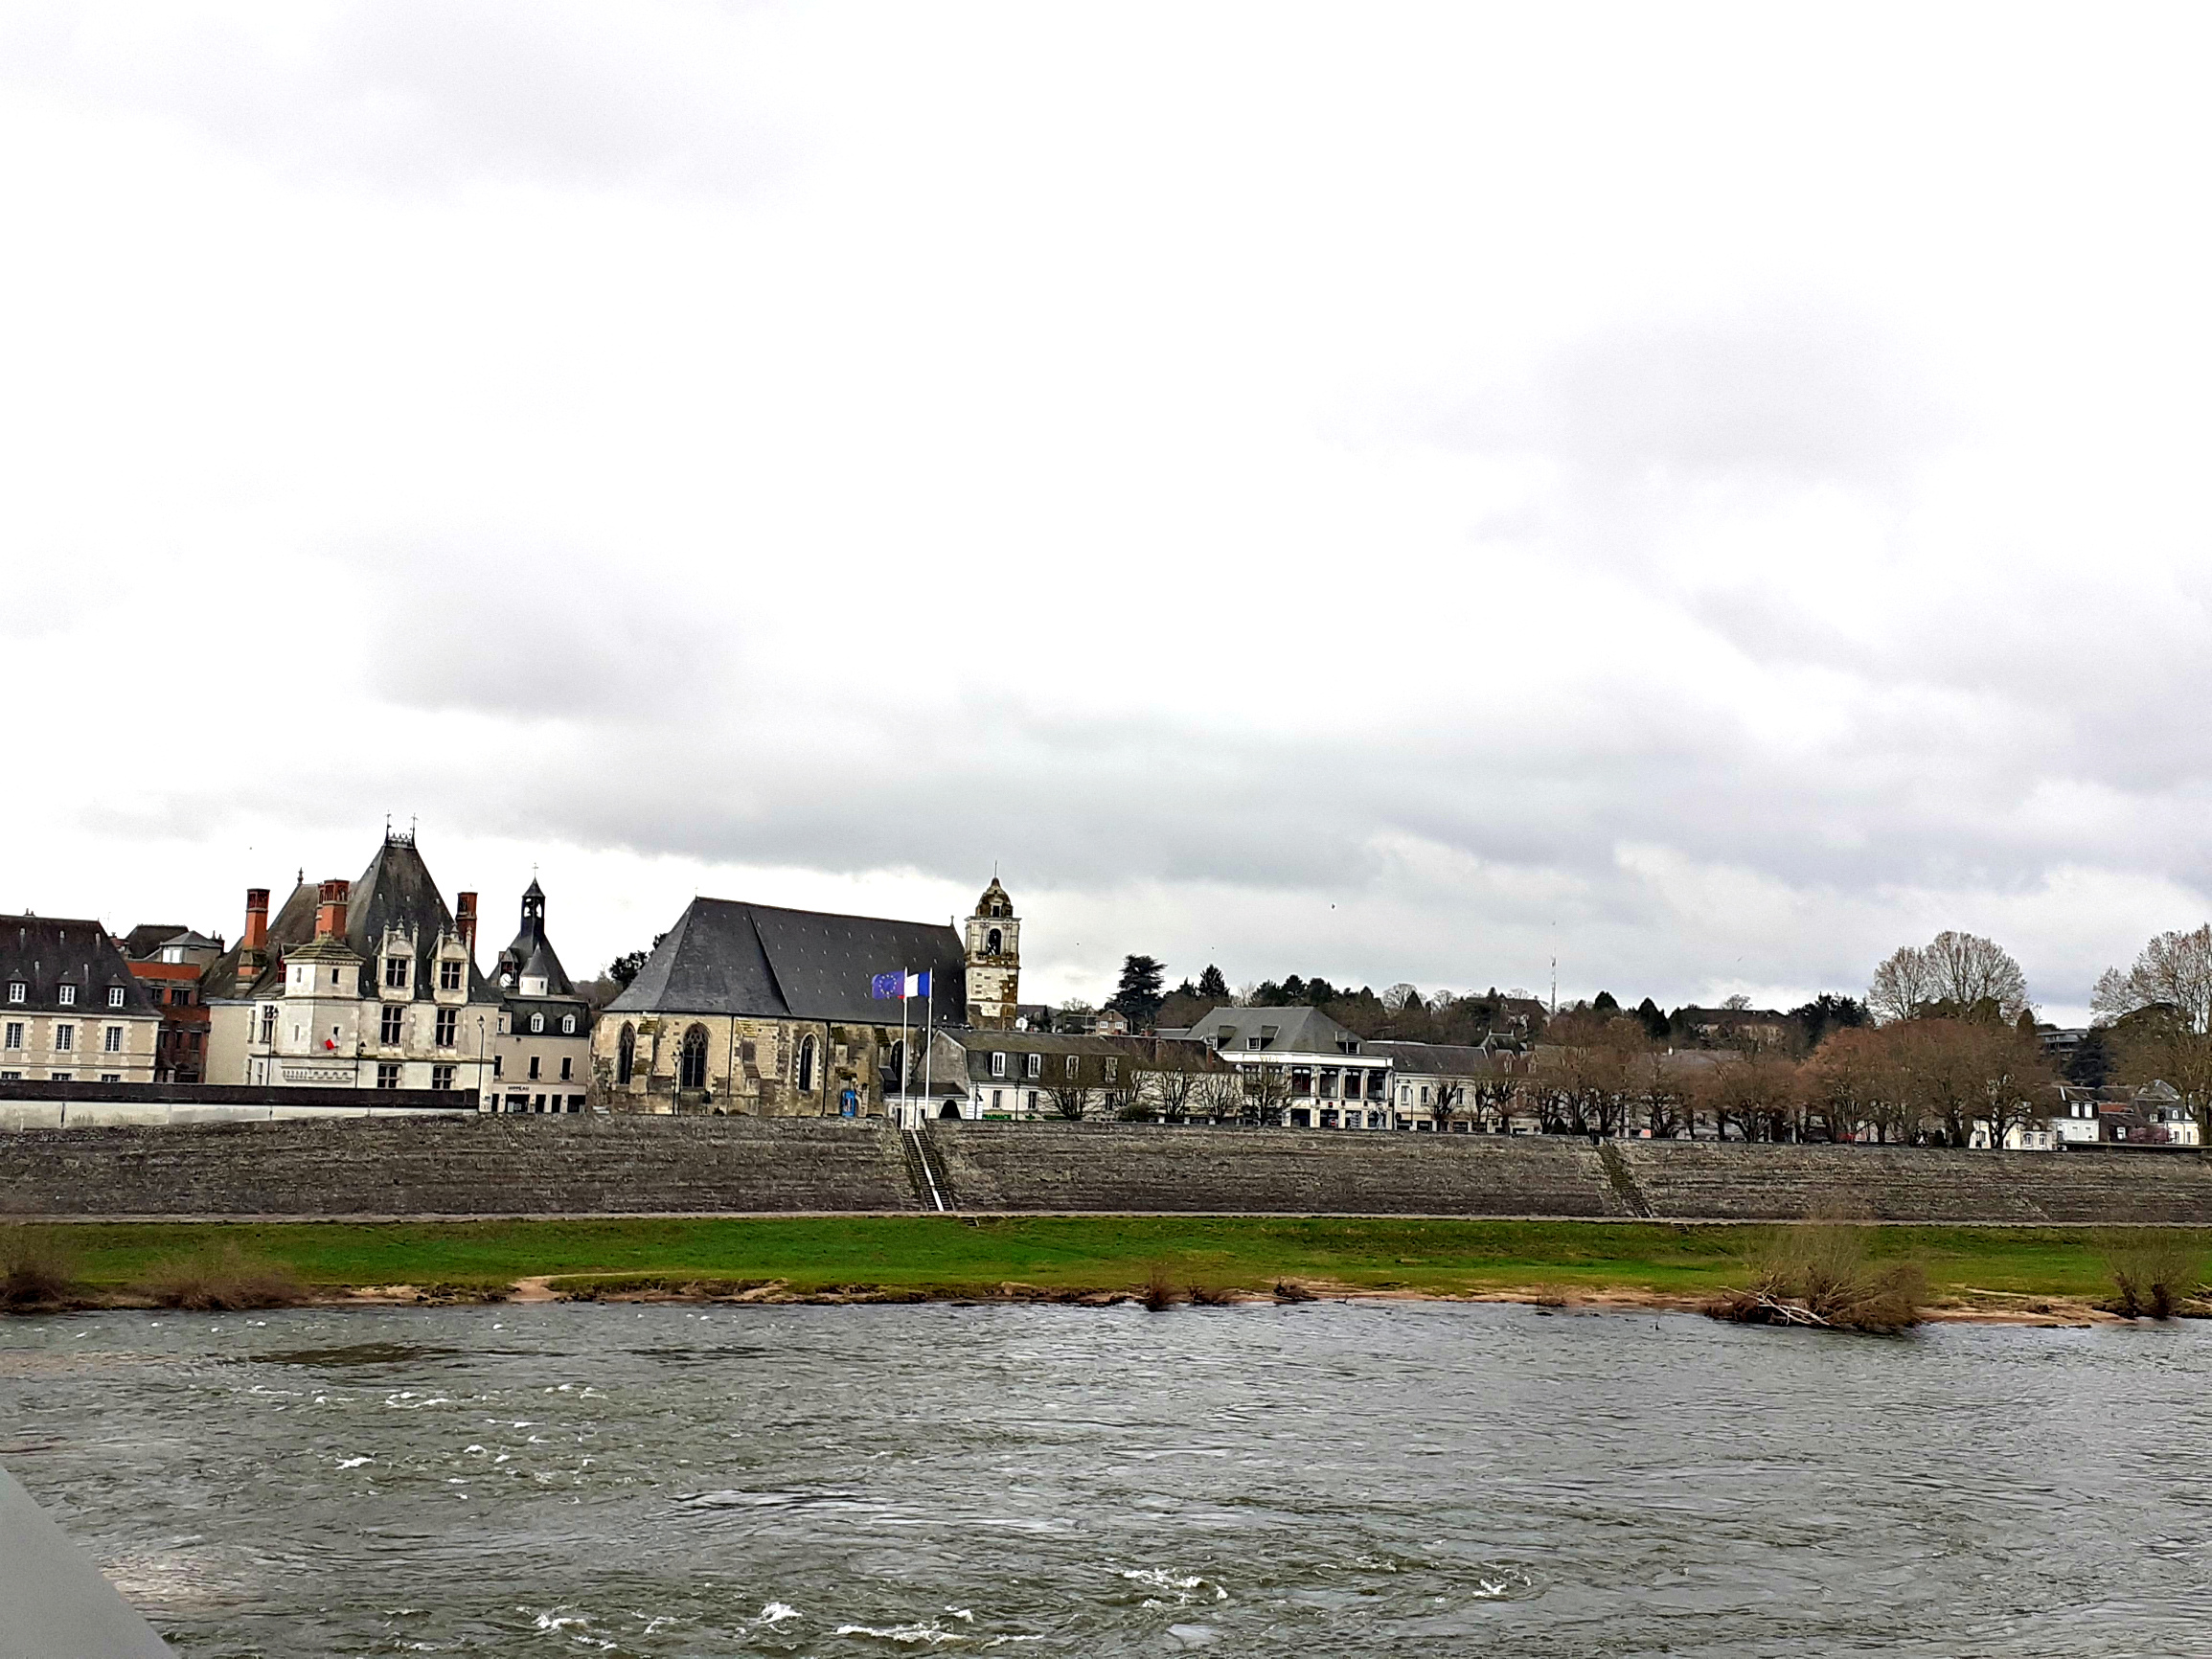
x: 899, y: 985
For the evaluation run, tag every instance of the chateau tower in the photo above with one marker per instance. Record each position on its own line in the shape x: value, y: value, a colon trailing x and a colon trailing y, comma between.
x: 994, y: 960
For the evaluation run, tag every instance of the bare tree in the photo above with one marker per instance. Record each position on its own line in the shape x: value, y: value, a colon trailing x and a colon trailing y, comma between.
x: 1448, y: 1095
x: 1071, y: 1097
x: 1220, y: 1095
x: 1176, y: 1080
x: 2174, y: 970
x: 1127, y: 1092
x: 2159, y: 1044
x: 1266, y: 1092
x: 1965, y: 1073
x: 1957, y: 973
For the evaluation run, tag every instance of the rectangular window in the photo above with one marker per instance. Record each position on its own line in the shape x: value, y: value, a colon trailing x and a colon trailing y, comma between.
x: 115, y: 996
x: 441, y: 1077
x: 14, y: 991
x: 68, y: 994
x: 1036, y: 1067
x: 498, y: 1065
x: 61, y: 1077
x: 111, y: 1077
x: 534, y: 1068
x: 64, y: 1038
x: 111, y: 1040
x: 269, y: 1023
x: 11, y: 1076
x: 998, y: 1065
x: 567, y: 1068
x: 449, y: 976
x: 15, y: 1034
x: 390, y: 1021
x: 388, y: 1075
x: 396, y: 972
x: 448, y: 1023
x: 1071, y: 1065
x: 1113, y: 1066
x: 995, y: 1095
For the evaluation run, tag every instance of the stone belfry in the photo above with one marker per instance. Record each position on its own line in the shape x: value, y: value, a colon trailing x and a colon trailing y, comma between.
x: 994, y: 960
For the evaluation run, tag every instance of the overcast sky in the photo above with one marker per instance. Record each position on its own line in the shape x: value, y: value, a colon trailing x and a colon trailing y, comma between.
x: 1707, y: 493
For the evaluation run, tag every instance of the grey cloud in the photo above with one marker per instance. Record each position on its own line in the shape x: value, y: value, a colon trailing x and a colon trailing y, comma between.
x: 1792, y: 394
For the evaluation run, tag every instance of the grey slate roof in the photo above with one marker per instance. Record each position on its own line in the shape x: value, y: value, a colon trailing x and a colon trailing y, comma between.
x: 531, y: 954
x: 396, y: 889
x: 1293, y: 1031
x: 42, y: 953
x: 731, y: 958
x: 142, y: 940
x: 1437, y: 1059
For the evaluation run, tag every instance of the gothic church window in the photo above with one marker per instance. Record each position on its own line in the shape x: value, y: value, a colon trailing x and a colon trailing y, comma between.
x: 625, y: 1055
x: 693, y: 1074
x: 807, y: 1065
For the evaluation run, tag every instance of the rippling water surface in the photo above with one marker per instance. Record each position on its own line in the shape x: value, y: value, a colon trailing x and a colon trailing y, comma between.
x: 1323, y: 1479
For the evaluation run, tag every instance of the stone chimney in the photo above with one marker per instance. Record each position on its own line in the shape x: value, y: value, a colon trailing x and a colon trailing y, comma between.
x: 464, y: 920
x: 331, y: 910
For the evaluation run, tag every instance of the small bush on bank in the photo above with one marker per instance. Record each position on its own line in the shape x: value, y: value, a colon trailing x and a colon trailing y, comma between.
x: 2152, y: 1273
x: 222, y: 1279
x: 1159, y: 1291
x: 1818, y: 1275
x: 36, y: 1271
x: 1211, y: 1296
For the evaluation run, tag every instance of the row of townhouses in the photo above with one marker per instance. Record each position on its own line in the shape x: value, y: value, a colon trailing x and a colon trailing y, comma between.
x: 374, y: 984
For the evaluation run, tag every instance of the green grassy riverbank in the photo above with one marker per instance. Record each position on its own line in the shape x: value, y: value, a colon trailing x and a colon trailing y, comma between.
x: 982, y: 1257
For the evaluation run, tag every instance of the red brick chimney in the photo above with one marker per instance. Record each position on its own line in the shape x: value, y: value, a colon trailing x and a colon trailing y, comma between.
x: 257, y: 937
x: 464, y: 920
x: 331, y: 911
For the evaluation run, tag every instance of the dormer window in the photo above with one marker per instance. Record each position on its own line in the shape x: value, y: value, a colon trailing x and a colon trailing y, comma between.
x: 450, y: 975
x: 396, y: 972
x: 536, y: 1022
x: 115, y: 996
x: 68, y: 996
x: 15, y: 991
x: 568, y: 1025
x: 998, y: 1065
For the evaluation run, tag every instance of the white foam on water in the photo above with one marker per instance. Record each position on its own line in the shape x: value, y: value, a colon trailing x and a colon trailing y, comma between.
x: 908, y: 1634
x: 776, y: 1612
x: 472, y: 1449
x: 354, y: 1462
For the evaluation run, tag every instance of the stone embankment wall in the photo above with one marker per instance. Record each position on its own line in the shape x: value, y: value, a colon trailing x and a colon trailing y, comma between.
x: 548, y: 1166
x: 472, y: 1166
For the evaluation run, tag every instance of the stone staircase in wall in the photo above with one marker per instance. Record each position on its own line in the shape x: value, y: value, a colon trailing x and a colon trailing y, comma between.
x: 1144, y: 1167
x: 1704, y: 1181
x: 484, y: 1166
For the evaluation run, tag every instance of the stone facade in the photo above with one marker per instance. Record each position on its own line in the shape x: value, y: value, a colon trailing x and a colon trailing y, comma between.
x: 70, y: 1008
x: 542, y: 1058
x: 994, y: 960
x: 761, y: 1010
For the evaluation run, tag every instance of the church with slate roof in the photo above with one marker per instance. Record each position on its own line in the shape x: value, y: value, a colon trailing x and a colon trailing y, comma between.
x: 758, y: 1009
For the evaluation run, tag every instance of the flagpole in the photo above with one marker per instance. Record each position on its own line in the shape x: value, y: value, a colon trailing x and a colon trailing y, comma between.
x: 929, y: 1032
x: 906, y: 1102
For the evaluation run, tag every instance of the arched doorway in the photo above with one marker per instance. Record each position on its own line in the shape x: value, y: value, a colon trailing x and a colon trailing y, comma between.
x: 625, y: 1055
x: 693, y: 1072
x: 951, y: 1109
x: 807, y: 1067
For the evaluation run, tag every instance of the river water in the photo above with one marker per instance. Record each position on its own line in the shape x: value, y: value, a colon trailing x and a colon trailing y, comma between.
x: 1325, y: 1479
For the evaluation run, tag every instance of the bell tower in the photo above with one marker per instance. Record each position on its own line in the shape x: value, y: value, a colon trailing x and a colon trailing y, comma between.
x: 994, y: 960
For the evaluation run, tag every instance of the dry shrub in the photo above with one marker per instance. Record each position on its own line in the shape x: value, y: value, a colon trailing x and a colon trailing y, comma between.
x: 35, y: 1270
x: 1159, y: 1291
x: 223, y: 1279
x: 1291, y: 1290
x: 1818, y: 1275
x: 2152, y: 1273
x: 1212, y: 1296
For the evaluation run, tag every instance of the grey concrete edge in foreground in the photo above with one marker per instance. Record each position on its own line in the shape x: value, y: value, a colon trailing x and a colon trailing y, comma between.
x: 54, y: 1602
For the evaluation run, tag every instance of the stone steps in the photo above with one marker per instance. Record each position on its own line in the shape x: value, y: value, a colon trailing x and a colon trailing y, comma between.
x: 1123, y: 1167
x: 502, y: 1165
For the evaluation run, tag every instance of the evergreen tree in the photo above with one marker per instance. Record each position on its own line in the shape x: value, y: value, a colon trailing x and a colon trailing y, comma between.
x: 1139, y: 995
x: 1655, y: 1022
x: 1606, y: 1004
x: 1213, y: 984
